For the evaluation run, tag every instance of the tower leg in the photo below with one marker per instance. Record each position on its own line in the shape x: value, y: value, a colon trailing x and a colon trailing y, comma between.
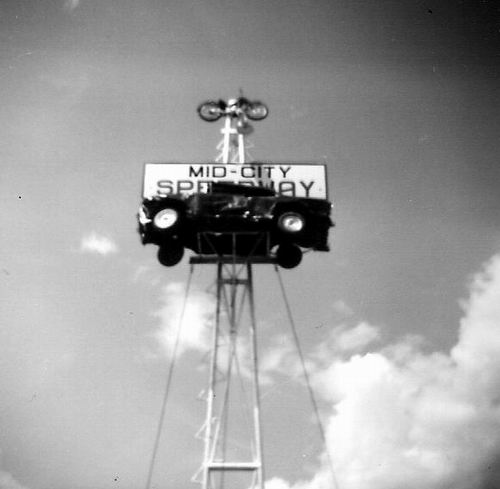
x: 256, y: 389
x: 233, y: 451
x: 211, y: 386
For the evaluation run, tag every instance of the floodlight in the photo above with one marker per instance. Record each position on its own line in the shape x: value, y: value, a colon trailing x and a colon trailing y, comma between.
x: 256, y: 111
x: 210, y: 111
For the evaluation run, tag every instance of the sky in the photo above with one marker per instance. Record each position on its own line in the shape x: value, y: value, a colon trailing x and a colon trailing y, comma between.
x: 399, y: 322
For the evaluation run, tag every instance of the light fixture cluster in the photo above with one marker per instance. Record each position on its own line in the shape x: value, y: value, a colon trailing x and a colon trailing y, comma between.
x: 239, y: 108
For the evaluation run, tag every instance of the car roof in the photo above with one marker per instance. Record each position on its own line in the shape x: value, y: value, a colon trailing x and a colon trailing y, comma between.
x: 246, y: 190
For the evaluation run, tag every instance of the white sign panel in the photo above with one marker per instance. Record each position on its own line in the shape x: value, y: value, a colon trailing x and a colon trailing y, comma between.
x: 294, y: 180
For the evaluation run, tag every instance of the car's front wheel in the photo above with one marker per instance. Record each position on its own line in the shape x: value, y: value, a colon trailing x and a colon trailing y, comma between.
x: 169, y: 254
x: 167, y: 219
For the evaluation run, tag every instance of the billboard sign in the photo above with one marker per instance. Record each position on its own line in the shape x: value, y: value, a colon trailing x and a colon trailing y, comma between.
x: 291, y: 179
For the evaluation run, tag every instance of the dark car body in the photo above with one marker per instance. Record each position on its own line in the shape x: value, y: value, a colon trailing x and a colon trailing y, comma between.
x: 226, y: 220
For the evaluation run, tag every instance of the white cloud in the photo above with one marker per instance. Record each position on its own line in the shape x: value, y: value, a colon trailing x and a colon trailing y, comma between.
x: 147, y: 274
x: 341, y: 309
x: 276, y: 483
x: 344, y: 341
x: 195, y: 332
x: 97, y: 243
x: 7, y: 481
x: 403, y: 418
x: 357, y: 338
x: 279, y: 358
x: 71, y: 5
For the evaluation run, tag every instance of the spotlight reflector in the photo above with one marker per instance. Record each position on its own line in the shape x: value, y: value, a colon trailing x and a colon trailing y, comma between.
x: 256, y: 111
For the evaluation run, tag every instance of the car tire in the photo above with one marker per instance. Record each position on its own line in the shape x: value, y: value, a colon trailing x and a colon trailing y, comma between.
x: 291, y: 221
x: 179, y: 212
x: 288, y: 255
x: 170, y: 254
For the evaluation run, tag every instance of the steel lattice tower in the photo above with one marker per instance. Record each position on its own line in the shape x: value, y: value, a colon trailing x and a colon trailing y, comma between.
x: 232, y: 431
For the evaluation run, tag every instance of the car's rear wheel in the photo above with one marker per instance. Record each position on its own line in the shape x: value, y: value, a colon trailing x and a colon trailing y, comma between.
x: 288, y: 255
x: 170, y: 254
x: 291, y: 221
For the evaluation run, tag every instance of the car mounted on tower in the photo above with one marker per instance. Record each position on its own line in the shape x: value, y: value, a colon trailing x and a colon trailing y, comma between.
x: 242, y: 211
x: 222, y: 221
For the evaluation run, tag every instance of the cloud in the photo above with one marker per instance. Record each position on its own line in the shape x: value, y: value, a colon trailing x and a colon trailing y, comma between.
x: 404, y: 418
x: 7, y: 481
x: 99, y: 244
x: 198, y: 316
x: 278, y: 358
x: 344, y: 341
x: 357, y: 338
x: 276, y: 483
x: 341, y: 309
x: 70, y: 5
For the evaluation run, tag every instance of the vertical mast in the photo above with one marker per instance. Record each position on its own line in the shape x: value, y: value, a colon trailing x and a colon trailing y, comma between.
x: 236, y: 126
x: 232, y: 430
x: 232, y: 433
x: 237, y: 114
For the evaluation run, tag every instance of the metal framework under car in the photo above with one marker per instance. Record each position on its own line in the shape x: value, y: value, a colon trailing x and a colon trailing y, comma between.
x: 236, y: 220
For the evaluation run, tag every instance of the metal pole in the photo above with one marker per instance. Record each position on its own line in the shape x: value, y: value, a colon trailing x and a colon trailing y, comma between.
x: 211, y: 391
x: 241, y: 148
x: 233, y: 150
x: 227, y: 139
